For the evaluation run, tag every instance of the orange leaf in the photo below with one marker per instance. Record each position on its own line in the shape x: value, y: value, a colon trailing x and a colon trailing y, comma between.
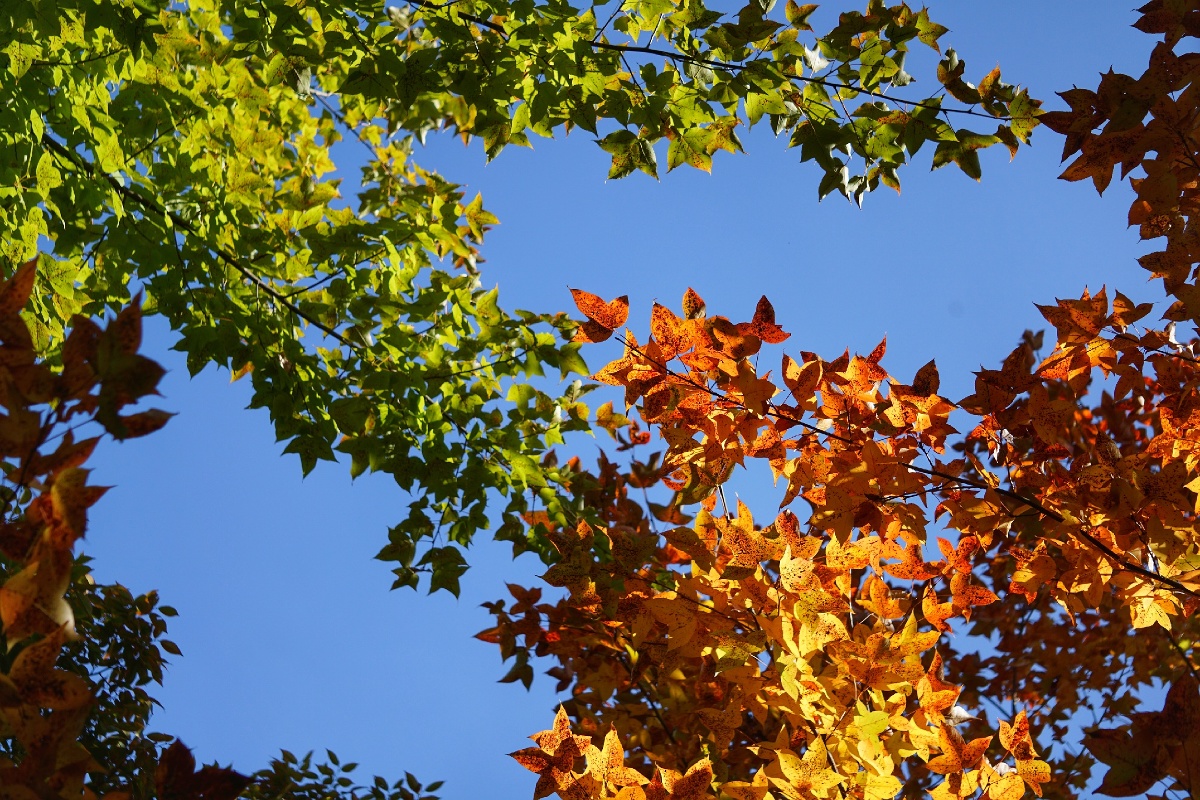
x: 591, y: 332
x: 561, y: 732
x: 40, y: 683
x: 912, y: 568
x: 611, y: 315
x: 668, y: 330
x: 1006, y: 787
x: 1016, y: 739
x: 801, y: 379
x: 32, y: 600
x: 741, y: 790
x: 959, y: 558
x: 1035, y: 773
x: 126, y: 330
x: 554, y: 757
x: 934, y: 694
x: 608, y: 765
x: 756, y: 392
x: 964, y: 596
x: 71, y: 498
x: 763, y: 324
x: 957, y: 755
x: 936, y: 613
x: 14, y: 292
x: 677, y: 615
x: 692, y: 785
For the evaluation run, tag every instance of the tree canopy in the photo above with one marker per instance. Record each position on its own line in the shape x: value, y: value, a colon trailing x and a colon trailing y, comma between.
x: 177, y: 159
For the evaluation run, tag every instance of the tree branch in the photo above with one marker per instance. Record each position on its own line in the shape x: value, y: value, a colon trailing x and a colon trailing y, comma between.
x: 774, y: 411
x: 89, y: 59
x: 725, y: 65
x: 148, y: 204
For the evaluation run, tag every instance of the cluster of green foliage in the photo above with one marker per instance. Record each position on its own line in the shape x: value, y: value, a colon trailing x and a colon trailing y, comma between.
x: 186, y: 150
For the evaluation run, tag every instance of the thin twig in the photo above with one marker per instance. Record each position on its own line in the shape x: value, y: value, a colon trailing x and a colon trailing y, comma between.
x: 62, y: 63
x: 1187, y: 661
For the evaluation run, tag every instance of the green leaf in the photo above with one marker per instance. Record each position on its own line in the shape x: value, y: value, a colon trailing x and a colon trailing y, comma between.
x: 797, y: 15
x: 526, y: 472
x: 447, y: 566
x: 629, y: 153
x: 689, y: 147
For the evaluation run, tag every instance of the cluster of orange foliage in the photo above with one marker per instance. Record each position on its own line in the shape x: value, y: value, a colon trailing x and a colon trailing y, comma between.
x: 45, y: 505
x: 713, y: 656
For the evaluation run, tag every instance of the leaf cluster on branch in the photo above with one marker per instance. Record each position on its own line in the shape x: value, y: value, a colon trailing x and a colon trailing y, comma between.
x: 719, y: 657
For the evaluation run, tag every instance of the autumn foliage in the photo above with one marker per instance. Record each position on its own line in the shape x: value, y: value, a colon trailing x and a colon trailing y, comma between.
x: 967, y: 610
x: 46, y: 497
x: 989, y: 598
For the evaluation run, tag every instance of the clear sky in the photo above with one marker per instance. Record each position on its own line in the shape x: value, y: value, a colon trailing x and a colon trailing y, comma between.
x: 290, y: 636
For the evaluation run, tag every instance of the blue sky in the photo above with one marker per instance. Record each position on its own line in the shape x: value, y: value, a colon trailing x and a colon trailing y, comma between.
x: 290, y: 636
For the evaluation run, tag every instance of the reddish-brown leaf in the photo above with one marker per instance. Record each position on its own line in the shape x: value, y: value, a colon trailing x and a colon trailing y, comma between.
x: 14, y: 292
x: 927, y: 381
x: 177, y: 779
x: 763, y: 324
x: 610, y: 315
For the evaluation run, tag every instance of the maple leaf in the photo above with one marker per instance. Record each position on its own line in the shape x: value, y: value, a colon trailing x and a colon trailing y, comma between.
x: 616, y: 373
x: 554, y: 758
x: 795, y: 572
x: 763, y: 324
x: 608, y: 765
x: 1078, y: 321
x: 964, y: 596
x: 913, y: 567
x: 1007, y: 786
x: 669, y: 331
x: 602, y: 318
x: 1034, y: 570
x: 724, y: 722
x: 957, y: 754
x: 16, y: 290
x: 1133, y: 762
x: 794, y: 775
x: 743, y: 790
x: 927, y: 381
x: 561, y: 733
x: 693, y: 785
x: 742, y: 541
x: 935, y: 695
x: 37, y: 680
x: 842, y: 557
x: 1034, y: 773
x: 755, y: 392
x: 1016, y: 739
x: 957, y: 786
x: 176, y: 778
x: 936, y: 613
x: 677, y: 615
x: 879, y: 598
